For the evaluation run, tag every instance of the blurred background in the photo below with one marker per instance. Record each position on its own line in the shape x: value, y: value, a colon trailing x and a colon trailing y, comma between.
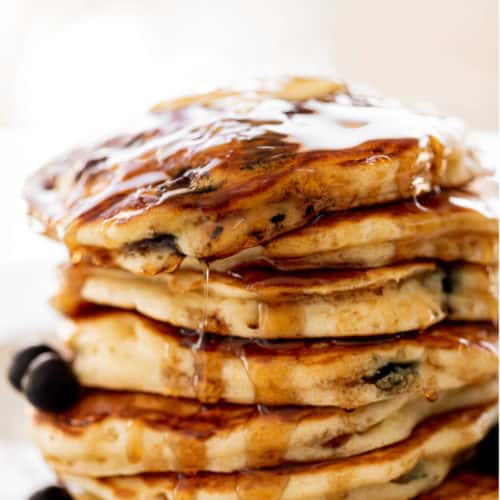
x: 71, y: 69
x: 79, y: 62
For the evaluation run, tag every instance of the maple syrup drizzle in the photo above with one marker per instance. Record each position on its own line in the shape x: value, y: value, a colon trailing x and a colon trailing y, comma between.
x: 190, y: 454
x: 267, y: 439
x: 249, y: 485
x: 172, y: 155
x: 207, y: 365
x: 183, y: 489
x: 268, y: 436
x: 135, y: 441
x: 431, y: 394
x: 200, y: 375
x: 255, y: 485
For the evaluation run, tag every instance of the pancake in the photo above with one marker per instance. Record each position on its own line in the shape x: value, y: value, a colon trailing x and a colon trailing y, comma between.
x: 125, y: 351
x: 465, y: 485
x: 259, y: 303
x: 395, y: 472
x: 448, y: 225
x: 473, y: 292
x: 112, y: 433
x: 211, y: 175
x: 452, y: 225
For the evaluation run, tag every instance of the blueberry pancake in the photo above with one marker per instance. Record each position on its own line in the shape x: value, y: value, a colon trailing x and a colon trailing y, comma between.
x: 472, y: 292
x: 450, y: 225
x: 211, y: 175
x: 284, y: 291
x: 121, y: 433
x: 396, y: 472
x: 125, y: 351
x: 264, y: 303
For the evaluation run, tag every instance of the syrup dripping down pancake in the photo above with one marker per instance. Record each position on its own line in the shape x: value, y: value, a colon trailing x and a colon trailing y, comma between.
x: 403, y: 470
x: 259, y: 303
x: 125, y: 351
x: 212, y: 175
x: 121, y: 433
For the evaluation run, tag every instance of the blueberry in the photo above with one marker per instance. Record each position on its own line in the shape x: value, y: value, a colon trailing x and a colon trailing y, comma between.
x: 51, y: 385
x: 51, y: 493
x: 447, y: 284
x: 486, y: 459
x: 21, y: 362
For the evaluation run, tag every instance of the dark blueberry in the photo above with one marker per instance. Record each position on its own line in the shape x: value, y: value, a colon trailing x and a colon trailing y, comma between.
x: 278, y: 218
x: 22, y: 360
x: 51, y: 493
x: 51, y: 385
x: 486, y: 459
x: 447, y: 284
x: 392, y: 375
x: 216, y: 232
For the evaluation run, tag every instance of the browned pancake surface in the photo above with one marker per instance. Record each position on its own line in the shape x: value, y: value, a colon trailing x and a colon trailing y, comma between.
x: 214, y: 174
x: 112, y: 433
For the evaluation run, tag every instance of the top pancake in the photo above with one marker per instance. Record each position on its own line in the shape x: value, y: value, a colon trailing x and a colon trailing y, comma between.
x: 211, y: 175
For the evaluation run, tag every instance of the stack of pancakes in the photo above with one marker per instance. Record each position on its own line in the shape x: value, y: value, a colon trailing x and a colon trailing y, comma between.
x: 284, y: 292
